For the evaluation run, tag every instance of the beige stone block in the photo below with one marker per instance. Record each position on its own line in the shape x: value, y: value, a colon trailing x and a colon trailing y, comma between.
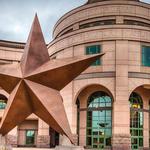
x: 121, y: 71
x: 108, y: 46
x: 108, y: 62
x: 109, y: 67
x: 122, y: 81
x: 135, y: 63
x: 79, y: 50
x: 121, y: 129
x: 134, y: 46
x: 121, y: 108
x: 142, y: 11
x: 135, y: 56
x: 121, y: 51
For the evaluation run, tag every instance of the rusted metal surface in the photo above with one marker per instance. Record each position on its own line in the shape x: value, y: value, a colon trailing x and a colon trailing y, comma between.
x: 35, y: 83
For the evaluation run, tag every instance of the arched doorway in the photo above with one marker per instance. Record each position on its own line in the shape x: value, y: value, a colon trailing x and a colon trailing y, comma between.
x: 136, y: 121
x: 99, y: 120
x: 95, y: 118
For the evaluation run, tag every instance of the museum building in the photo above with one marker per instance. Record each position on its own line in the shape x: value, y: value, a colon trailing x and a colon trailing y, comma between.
x: 108, y: 105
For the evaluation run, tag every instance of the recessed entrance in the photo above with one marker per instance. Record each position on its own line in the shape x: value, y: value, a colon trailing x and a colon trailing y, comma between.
x: 99, y: 121
x: 27, y: 133
x: 94, y: 105
x: 136, y: 121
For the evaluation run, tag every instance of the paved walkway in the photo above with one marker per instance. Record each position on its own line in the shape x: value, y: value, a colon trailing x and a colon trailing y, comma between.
x: 32, y: 149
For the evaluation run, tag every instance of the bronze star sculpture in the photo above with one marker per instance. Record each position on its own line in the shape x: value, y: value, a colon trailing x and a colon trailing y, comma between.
x: 34, y: 84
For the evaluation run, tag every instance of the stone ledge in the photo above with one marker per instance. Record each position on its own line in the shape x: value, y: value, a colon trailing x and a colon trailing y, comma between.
x: 69, y: 148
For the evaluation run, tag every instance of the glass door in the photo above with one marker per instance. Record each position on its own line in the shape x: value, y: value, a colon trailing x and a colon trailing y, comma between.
x: 99, y: 129
x: 136, y: 130
x: 99, y: 121
x: 136, y: 121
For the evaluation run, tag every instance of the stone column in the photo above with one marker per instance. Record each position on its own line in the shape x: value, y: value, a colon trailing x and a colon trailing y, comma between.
x: 121, y: 110
x: 82, y: 119
x: 74, y: 124
x: 146, y: 125
x: 43, y: 138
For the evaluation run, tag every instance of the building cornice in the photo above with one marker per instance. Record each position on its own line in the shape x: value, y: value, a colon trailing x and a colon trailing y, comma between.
x: 12, y: 44
x: 92, y: 5
x: 96, y: 1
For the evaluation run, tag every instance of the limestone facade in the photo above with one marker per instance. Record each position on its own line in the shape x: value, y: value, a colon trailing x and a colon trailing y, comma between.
x: 121, y: 28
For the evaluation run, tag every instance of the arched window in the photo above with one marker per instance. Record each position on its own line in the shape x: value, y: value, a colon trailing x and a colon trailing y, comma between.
x: 136, y: 121
x: 3, y: 101
x: 99, y: 120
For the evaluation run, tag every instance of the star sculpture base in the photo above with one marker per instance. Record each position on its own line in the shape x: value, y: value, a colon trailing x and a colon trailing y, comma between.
x: 3, y: 145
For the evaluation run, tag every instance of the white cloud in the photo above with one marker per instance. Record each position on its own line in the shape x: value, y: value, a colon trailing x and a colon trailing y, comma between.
x: 17, y: 15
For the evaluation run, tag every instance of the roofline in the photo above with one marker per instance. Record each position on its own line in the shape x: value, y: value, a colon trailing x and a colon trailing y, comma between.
x: 12, y: 44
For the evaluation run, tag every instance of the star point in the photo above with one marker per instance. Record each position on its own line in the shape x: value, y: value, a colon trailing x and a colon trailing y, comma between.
x: 35, y: 52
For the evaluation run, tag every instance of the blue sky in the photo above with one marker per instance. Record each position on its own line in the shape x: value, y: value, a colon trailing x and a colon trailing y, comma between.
x: 16, y: 16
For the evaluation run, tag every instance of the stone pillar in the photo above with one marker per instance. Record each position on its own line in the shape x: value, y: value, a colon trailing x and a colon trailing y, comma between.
x: 74, y: 124
x: 121, y: 109
x: 12, y: 137
x: 146, y: 125
x: 82, y: 119
x: 82, y: 129
x: 43, y: 138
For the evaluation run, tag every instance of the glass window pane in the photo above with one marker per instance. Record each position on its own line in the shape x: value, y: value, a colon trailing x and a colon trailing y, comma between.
x: 2, y: 104
x: 94, y: 49
x: 89, y: 141
x: 141, y: 142
x: 30, y: 136
x: 108, y: 141
x: 146, y: 56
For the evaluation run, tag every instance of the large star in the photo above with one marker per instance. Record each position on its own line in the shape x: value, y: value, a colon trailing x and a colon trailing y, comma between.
x: 34, y: 84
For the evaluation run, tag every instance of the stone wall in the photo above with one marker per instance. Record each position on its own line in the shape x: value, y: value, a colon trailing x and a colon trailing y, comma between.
x: 11, y: 140
x: 121, y: 142
x: 43, y: 141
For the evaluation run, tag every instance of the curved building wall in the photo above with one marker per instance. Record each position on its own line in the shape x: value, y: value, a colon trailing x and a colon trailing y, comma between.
x: 121, y: 28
